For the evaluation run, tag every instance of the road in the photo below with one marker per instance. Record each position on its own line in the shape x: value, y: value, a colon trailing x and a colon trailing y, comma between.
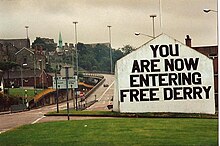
x: 103, y: 95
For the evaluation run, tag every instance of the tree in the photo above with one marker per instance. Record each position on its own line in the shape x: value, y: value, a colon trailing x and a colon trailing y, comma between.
x: 95, y: 58
x: 46, y: 43
x: 127, y: 49
x: 5, y: 67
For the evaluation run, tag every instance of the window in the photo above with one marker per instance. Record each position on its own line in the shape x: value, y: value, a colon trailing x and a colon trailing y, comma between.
x: 24, y: 59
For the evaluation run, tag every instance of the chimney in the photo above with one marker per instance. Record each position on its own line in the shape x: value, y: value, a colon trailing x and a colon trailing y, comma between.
x: 188, y: 41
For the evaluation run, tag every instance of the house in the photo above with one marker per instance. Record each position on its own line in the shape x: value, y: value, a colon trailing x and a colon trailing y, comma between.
x: 26, y: 58
x: 18, y: 43
x: 7, y: 52
x: 15, y: 78
x: 164, y: 75
x: 211, y: 52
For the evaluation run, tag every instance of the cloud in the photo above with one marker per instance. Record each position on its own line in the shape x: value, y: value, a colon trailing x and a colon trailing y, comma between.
x: 46, y: 18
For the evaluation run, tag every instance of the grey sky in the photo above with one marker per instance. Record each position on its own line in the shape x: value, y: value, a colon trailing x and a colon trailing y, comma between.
x: 46, y: 18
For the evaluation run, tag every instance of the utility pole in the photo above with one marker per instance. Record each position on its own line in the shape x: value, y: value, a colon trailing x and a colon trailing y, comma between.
x: 26, y: 27
x: 77, y: 71
x: 57, y: 95
x: 153, y: 16
x: 67, y: 98
x: 110, y: 47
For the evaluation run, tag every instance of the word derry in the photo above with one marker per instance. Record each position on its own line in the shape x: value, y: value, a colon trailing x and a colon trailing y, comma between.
x: 161, y: 78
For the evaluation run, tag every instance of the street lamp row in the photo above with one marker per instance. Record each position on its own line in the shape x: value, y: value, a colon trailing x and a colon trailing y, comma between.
x: 153, y: 17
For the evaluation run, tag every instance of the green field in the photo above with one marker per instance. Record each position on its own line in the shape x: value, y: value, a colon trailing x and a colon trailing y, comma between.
x: 21, y: 92
x: 114, y: 132
x: 73, y: 112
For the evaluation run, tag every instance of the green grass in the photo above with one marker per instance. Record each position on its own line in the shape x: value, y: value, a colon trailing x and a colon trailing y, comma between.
x: 116, y: 132
x: 21, y: 92
x: 117, y: 114
x: 83, y: 112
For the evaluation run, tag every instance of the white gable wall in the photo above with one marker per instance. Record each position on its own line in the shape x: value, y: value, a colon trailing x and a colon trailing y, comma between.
x: 123, y: 82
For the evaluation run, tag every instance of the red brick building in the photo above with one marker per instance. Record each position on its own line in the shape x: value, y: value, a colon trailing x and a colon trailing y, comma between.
x: 211, y: 52
x: 14, y: 78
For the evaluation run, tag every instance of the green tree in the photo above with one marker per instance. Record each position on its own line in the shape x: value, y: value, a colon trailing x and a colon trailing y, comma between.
x: 127, y: 49
x: 46, y: 44
x: 95, y: 58
x: 5, y: 67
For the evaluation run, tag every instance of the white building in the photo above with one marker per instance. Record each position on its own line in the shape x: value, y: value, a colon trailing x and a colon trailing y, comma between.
x: 164, y: 75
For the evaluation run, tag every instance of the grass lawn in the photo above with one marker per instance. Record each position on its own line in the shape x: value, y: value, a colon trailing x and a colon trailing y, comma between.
x: 114, y: 132
x: 21, y: 92
x: 73, y: 112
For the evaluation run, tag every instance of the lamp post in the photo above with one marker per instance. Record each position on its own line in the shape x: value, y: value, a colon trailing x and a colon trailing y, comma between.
x: 22, y: 78
x: 57, y: 99
x: 42, y: 78
x: 27, y: 30
x: 35, y: 83
x: 153, y: 16
x: 138, y: 33
x: 67, y: 97
x: 75, y: 22
x: 76, y: 47
x: 110, y: 47
x: 215, y: 11
x: 26, y: 27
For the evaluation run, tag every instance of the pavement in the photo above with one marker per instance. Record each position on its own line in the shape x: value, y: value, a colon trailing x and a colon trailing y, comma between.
x: 102, y: 94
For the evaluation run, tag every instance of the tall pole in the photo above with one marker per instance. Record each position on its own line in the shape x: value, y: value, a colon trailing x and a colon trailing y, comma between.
x: 160, y: 13
x: 35, y: 84
x: 22, y: 78
x: 57, y: 96
x: 67, y: 98
x: 42, y: 78
x: 22, y: 86
x: 26, y: 27
x: 110, y: 47
x: 77, y: 71
x: 76, y: 48
x: 153, y: 16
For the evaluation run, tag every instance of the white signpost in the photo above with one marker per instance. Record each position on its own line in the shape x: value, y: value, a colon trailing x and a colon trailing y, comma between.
x: 164, y: 75
x: 61, y: 82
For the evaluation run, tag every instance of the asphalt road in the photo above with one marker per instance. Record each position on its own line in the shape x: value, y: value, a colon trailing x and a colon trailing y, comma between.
x: 102, y: 94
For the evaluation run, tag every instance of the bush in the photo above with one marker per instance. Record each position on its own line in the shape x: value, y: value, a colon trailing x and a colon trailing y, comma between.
x: 7, y: 100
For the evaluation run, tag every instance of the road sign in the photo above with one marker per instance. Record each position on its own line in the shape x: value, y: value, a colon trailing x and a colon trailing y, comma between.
x: 61, y: 82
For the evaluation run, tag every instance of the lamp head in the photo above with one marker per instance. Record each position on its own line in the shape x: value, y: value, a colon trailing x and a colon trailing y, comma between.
x: 206, y: 10
x: 153, y: 15
x: 137, y: 33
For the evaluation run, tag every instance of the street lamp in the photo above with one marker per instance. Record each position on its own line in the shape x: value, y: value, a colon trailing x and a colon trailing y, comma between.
x: 42, y: 79
x: 209, y: 10
x: 110, y: 47
x: 138, y: 33
x: 57, y: 95
x: 76, y: 48
x: 75, y: 22
x: 35, y: 82
x: 22, y: 84
x: 153, y: 16
x: 26, y: 27
x: 67, y: 97
x: 215, y: 11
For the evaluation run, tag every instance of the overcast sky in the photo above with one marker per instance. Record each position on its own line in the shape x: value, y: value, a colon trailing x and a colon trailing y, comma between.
x: 46, y: 18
